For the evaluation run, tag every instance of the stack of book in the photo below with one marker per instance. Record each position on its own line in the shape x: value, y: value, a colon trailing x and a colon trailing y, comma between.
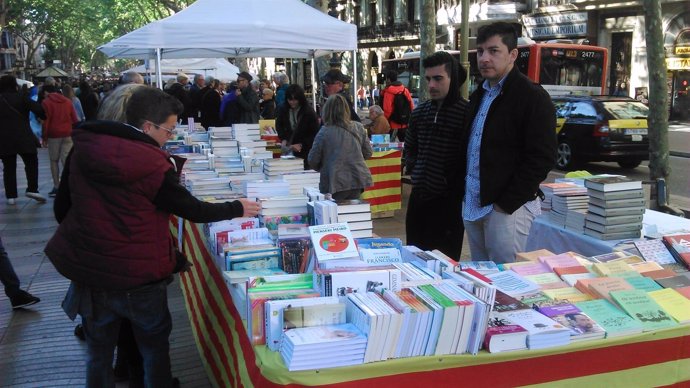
x: 313, y: 347
x: 616, y: 206
x: 222, y: 142
x: 204, y: 186
x: 274, y: 168
x: 224, y: 165
x: 280, y: 210
x: 357, y: 214
x: 301, y: 179
x: 571, y: 205
x: 551, y: 189
x: 265, y: 189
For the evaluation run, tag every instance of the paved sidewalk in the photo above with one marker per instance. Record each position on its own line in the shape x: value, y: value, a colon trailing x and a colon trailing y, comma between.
x: 37, y: 345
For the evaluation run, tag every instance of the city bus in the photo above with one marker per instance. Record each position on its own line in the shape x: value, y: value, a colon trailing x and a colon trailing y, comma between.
x: 561, y: 68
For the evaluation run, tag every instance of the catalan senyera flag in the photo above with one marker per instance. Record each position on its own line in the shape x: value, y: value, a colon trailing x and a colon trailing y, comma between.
x: 385, y: 194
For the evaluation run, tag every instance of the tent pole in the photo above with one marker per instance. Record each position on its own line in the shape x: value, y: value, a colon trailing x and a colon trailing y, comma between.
x: 354, y: 81
x: 159, y: 71
x: 313, y: 82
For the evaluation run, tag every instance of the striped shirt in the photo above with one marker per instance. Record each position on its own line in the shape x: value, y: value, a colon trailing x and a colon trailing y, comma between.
x: 432, y: 147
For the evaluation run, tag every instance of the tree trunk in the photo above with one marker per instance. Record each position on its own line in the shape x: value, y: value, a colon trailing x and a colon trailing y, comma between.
x: 427, y: 42
x: 658, y: 97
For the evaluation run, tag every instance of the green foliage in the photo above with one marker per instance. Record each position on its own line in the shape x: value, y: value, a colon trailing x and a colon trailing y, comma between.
x: 73, y: 29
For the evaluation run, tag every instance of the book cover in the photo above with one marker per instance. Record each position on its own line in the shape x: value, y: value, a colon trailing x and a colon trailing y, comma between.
x: 567, y: 294
x: 601, y: 288
x: 533, y: 255
x: 641, y: 307
x: 580, y: 324
x: 676, y: 304
x: 502, y: 335
x: 611, y: 318
x: 318, y: 315
x: 484, y: 267
x: 612, y: 183
x: 612, y: 268
x: 643, y: 283
x: 333, y: 241
x: 654, y: 250
x: 512, y: 284
x: 676, y: 281
x: 353, y: 206
x: 542, y: 331
x: 679, y: 246
x: 274, y: 316
x: 557, y: 261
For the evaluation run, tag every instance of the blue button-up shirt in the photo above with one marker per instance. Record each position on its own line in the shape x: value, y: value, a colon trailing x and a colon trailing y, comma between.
x: 472, y: 209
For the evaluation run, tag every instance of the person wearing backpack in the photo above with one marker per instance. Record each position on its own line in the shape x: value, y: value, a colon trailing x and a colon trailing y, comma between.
x: 397, y: 106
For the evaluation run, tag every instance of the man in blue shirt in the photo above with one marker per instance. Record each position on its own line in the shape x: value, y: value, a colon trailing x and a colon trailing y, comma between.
x: 510, y: 145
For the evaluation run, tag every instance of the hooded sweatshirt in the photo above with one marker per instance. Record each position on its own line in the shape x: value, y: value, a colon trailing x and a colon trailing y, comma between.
x: 60, y: 116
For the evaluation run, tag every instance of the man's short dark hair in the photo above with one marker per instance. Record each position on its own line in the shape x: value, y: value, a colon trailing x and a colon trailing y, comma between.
x: 153, y: 105
x: 457, y: 73
x: 392, y: 75
x: 505, y: 30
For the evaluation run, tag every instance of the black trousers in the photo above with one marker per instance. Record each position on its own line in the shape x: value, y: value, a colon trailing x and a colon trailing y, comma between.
x: 9, y: 173
x: 435, y: 222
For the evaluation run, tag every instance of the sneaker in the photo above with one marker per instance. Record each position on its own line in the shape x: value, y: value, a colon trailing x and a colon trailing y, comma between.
x: 53, y: 192
x: 23, y: 299
x: 11, y: 201
x: 79, y: 332
x: 38, y: 197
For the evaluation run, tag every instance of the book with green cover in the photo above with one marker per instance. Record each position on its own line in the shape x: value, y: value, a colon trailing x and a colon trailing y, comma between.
x: 644, y: 284
x: 611, y: 318
x: 639, y: 305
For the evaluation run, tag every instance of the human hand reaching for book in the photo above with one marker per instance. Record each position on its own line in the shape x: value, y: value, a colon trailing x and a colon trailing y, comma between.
x: 251, y: 208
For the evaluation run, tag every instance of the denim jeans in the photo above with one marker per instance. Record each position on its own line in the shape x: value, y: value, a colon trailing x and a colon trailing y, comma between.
x: 7, y: 275
x: 147, y: 309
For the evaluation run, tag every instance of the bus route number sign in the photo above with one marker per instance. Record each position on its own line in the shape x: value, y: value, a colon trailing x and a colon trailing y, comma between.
x: 588, y: 55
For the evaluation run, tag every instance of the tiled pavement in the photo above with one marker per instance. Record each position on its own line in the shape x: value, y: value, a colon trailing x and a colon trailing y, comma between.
x: 37, y: 345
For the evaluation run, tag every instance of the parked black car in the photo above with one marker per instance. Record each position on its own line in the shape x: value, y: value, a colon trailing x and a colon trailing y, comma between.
x: 601, y: 128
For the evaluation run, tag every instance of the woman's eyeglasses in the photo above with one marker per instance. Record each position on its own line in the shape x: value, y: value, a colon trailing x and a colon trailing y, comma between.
x: 170, y: 132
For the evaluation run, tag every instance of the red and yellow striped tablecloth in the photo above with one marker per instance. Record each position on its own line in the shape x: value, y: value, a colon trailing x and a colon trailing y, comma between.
x: 385, y: 194
x: 659, y: 358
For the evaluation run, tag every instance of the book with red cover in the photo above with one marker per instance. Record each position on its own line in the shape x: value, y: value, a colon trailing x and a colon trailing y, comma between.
x: 679, y: 245
x: 659, y: 274
x: 560, y: 271
x: 685, y: 291
x: 477, y: 275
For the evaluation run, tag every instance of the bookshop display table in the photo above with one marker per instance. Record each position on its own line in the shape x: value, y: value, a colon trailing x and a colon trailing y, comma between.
x: 647, y: 359
x: 386, y: 193
x: 544, y: 234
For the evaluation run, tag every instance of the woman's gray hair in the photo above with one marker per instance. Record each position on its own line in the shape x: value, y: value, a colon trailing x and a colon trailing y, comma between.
x: 280, y: 78
x: 336, y: 111
x: 114, y: 107
x: 376, y: 109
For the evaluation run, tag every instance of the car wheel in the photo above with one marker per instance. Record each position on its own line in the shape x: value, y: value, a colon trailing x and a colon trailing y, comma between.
x: 566, y: 156
x: 629, y: 163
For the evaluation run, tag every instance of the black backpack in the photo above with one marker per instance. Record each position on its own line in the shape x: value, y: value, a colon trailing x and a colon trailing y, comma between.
x: 401, y: 109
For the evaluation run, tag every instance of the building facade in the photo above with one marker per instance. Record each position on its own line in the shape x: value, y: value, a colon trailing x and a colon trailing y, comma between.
x: 389, y: 28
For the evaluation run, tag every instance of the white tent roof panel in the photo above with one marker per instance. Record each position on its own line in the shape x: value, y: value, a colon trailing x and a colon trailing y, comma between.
x: 238, y: 28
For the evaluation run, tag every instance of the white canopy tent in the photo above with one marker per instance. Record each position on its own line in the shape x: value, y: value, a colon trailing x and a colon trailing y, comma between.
x: 218, y: 68
x: 238, y: 28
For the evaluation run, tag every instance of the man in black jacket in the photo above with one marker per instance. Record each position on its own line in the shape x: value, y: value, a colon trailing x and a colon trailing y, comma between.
x: 510, y: 145
x: 432, y: 145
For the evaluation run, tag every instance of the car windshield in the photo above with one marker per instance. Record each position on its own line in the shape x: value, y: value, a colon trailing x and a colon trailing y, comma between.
x: 626, y: 109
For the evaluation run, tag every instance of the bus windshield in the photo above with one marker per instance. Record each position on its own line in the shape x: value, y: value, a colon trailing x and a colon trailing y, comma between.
x: 564, y: 68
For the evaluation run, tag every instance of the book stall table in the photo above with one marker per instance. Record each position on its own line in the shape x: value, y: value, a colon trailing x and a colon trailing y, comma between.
x: 660, y: 358
x: 545, y: 234
x: 386, y: 193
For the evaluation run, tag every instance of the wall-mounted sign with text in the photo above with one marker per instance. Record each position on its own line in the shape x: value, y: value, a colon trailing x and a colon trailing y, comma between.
x: 567, y: 25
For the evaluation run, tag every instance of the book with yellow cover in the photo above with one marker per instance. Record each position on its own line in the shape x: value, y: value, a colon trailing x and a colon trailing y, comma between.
x: 612, y: 268
x: 533, y: 255
x: 570, y: 294
x: 674, y: 303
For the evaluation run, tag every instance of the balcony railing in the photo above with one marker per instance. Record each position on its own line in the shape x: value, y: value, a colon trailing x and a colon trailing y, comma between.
x: 388, y: 31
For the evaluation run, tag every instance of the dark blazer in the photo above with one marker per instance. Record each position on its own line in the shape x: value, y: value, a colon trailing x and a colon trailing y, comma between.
x: 519, y: 143
x: 307, y: 127
x: 16, y: 136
